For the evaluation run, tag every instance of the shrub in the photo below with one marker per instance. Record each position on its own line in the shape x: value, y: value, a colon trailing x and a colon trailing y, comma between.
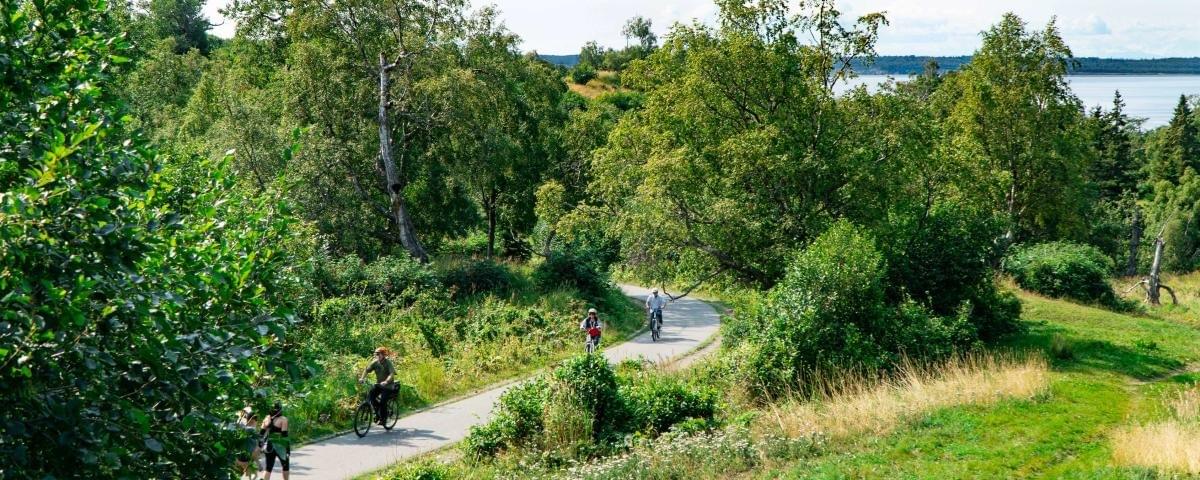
x: 624, y: 100
x: 1063, y: 270
x: 517, y: 420
x: 582, y: 73
x: 388, y: 279
x: 477, y: 276
x: 829, y: 313
x: 657, y: 402
x: 562, y: 269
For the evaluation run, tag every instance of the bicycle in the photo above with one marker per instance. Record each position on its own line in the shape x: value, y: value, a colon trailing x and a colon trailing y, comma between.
x: 364, y: 415
x: 655, y: 324
x: 593, y: 340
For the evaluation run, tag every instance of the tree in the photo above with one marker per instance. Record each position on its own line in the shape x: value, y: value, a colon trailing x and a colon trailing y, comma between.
x: 371, y: 180
x: 1115, y: 170
x: 639, y: 28
x: 181, y: 20
x: 742, y: 151
x: 1015, y: 122
x: 502, y: 109
x: 1178, y: 146
x: 143, y: 301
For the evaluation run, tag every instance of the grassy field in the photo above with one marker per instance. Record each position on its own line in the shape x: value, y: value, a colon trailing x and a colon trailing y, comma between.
x: 605, y: 82
x: 1112, y: 374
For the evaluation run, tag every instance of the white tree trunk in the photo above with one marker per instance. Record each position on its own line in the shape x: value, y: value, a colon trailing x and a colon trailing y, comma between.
x: 395, y: 188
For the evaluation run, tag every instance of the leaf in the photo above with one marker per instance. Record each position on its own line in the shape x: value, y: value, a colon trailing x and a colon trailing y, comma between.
x: 154, y: 445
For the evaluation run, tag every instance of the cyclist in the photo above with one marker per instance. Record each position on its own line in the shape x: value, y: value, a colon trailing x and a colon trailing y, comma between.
x: 654, y: 306
x: 385, y: 382
x: 274, y: 432
x: 593, y: 326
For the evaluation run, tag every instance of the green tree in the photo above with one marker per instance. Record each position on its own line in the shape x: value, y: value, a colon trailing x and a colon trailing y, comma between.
x: 180, y: 20
x: 1178, y: 146
x: 1115, y: 170
x: 502, y: 111
x: 142, y: 302
x: 1016, y: 124
x: 742, y: 151
x: 371, y: 182
x: 639, y: 29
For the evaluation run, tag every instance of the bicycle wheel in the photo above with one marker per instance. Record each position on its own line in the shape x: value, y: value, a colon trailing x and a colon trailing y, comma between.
x: 363, y: 418
x: 393, y: 413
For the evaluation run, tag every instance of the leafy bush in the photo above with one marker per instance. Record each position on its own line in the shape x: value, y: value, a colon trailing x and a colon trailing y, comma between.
x: 940, y: 258
x: 582, y: 406
x: 582, y: 73
x: 389, y: 279
x: 477, y: 276
x: 562, y: 269
x: 656, y: 402
x: 517, y: 420
x: 624, y: 100
x: 829, y: 312
x: 1063, y: 270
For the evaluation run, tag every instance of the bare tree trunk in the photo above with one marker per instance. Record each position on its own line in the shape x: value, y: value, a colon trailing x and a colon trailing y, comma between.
x: 490, y: 206
x: 1153, y: 282
x: 1135, y: 241
x: 408, y: 234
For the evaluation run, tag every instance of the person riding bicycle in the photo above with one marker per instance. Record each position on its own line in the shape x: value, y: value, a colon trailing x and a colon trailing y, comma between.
x: 654, y: 306
x: 592, y: 325
x: 385, y: 382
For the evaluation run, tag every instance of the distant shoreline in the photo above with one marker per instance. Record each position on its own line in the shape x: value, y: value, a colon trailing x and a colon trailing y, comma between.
x: 904, y: 65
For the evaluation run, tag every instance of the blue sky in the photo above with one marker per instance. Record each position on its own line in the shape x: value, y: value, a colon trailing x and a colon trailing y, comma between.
x: 1102, y: 28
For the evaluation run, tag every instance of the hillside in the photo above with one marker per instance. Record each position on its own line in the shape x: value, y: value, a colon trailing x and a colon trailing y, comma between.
x: 1111, y: 378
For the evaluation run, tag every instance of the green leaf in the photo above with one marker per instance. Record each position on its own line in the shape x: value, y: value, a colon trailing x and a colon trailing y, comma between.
x: 154, y: 445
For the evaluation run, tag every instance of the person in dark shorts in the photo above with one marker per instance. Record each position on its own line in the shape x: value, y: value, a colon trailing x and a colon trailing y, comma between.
x: 274, y: 432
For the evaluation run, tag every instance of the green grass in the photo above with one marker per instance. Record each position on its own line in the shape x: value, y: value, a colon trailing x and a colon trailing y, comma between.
x: 1121, y: 368
x: 467, y: 365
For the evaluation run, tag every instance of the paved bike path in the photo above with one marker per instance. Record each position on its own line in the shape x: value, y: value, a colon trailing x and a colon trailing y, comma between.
x: 686, y: 324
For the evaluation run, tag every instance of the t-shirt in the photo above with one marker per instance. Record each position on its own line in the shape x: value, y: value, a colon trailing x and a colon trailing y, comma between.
x: 383, y: 369
x: 655, y: 302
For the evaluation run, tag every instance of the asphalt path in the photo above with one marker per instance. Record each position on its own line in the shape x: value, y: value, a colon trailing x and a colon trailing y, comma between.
x: 687, y: 323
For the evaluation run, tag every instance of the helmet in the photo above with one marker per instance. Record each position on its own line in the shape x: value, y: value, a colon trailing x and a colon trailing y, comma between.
x: 592, y: 310
x: 384, y: 351
x: 654, y: 290
x: 276, y: 409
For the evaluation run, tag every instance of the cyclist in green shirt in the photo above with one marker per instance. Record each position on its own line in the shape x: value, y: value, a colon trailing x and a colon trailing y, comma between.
x: 385, y: 382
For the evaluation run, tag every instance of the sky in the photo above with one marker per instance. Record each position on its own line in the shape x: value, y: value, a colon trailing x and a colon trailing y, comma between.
x: 1092, y: 28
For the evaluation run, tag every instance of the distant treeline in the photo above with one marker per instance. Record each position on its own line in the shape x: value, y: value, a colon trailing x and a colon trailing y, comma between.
x: 912, y: 64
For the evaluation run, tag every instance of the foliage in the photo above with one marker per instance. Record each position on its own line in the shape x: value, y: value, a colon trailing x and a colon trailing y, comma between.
x: 567, y: 269
x: 144, y: 301
x: 583, y: 405
x: 1063, y: 270
x: 1177, y: 147
x: 702, y: 180
x: 658, y: 402
x: 477, y: 276
x: 1014, y: 123
x: 829, y: 314
x: 582, y: 73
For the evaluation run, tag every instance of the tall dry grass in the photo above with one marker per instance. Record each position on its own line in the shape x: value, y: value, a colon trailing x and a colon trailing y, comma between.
x: 1170, y: 446
x: 853, y: 405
